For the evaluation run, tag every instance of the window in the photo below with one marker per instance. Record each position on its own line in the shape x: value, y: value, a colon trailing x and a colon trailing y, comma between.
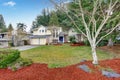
x: 73, y: 31
x: 0, y: 36
x: 57, y: 35
x: 42, y: 31
x: 54, y: 34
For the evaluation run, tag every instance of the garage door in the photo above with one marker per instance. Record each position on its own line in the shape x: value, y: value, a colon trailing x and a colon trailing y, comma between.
x: 42, y: 41
x: 35, y: 42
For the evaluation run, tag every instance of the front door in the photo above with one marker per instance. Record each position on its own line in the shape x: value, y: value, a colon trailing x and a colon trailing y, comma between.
x: 61, y: 39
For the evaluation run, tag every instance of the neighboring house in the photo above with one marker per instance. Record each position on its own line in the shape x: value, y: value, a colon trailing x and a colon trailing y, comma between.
x: 72, y: 32
x: 20, y: 38
x: 4, y: 40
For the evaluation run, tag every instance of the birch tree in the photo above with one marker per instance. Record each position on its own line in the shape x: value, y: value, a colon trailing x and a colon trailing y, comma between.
x: 92, y: 17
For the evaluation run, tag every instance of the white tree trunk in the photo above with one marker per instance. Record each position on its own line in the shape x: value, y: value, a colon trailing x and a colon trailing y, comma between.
x: 94, y: 55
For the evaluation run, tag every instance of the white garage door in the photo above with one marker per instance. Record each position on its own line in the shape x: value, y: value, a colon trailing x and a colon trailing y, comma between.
x: 35, y: 42
x: 42, y: 41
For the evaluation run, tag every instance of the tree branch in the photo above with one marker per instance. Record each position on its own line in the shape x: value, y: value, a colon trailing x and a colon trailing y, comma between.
x: 108, y: 33
x: 57, y: 6
x: 107, y: 17
x: 84, y: 22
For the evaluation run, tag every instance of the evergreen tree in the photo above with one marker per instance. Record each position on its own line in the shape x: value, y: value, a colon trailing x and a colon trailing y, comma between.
x: 21, y: 27
x: 53, y: 19
x: 64, y: 21
x: 43, y: 19
x: 2, y: 24
x: 10, y: 29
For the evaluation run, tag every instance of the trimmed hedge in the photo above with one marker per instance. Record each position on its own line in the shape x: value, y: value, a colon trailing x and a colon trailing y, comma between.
x: 12, y: 56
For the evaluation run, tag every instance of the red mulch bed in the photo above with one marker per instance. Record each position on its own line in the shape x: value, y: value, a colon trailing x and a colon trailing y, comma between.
x: 41, y: 72
x: 77, y: 44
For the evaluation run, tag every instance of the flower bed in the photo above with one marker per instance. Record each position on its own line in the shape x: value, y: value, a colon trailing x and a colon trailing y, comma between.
x: 78, y: 44
x: 42, y: 72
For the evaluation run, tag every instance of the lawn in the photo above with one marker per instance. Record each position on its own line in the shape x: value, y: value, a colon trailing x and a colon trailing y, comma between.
x: 60, y: 56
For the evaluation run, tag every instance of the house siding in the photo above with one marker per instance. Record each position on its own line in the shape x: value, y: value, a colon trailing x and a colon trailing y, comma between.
x: 4, y: 40
x: 79, y: 37
x: 4, y: 44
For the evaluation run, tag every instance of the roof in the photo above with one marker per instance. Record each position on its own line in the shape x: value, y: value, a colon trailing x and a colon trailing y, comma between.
x: 3, y: 40
x: 35, y: 29
x: 4, y: 33
x: 53, y: 27
x: 62, y: 33
x: 39, y: 36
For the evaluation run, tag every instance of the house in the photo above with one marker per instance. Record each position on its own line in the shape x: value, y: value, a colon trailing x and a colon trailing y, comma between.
x: 4, y: 40
x: 57, y: 35
x: 63, y: 37
x: 20, y: 38
x: 40, y: 36
x: 47, y: 35
x: 78, y: 36
x: 52, y: 35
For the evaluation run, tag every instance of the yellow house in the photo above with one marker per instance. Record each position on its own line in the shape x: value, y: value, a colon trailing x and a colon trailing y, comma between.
x: 41, y: 36
x: 48, y: 35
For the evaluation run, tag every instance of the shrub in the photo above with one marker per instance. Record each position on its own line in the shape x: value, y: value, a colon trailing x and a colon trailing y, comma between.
x: 9, y: 58
x: 19, y: 63
x: 11, y: 44
x: 12, y: 60
x: 103, y: 43
x: 86, y: 42
x: 117, y: 41
x: 72, y: 39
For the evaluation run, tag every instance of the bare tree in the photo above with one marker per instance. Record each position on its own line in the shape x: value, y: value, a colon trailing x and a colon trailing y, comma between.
x: 94, y: 20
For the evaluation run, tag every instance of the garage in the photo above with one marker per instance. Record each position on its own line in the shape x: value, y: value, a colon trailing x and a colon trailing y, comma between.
x: 38, y: 40
x: 35, y: 41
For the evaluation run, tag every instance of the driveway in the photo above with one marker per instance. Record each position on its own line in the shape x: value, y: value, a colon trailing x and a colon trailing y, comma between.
x: 22, y: 48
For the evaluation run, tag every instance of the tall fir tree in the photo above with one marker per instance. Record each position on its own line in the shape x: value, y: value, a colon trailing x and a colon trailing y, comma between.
x: 2, y: 24
x: 53, y: 19
x: 10, y: 29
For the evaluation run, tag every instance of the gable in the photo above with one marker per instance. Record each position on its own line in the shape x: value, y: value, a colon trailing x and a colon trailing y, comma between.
x: 42, y: 30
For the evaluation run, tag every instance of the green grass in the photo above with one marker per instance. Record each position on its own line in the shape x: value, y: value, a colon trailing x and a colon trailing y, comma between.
x: 60, y: 56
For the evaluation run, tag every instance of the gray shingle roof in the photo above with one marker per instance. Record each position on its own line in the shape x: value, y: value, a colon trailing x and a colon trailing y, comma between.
x: 39, y: 36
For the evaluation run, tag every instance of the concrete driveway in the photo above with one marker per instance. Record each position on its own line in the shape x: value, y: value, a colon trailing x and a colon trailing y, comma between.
x: 22, y: 48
